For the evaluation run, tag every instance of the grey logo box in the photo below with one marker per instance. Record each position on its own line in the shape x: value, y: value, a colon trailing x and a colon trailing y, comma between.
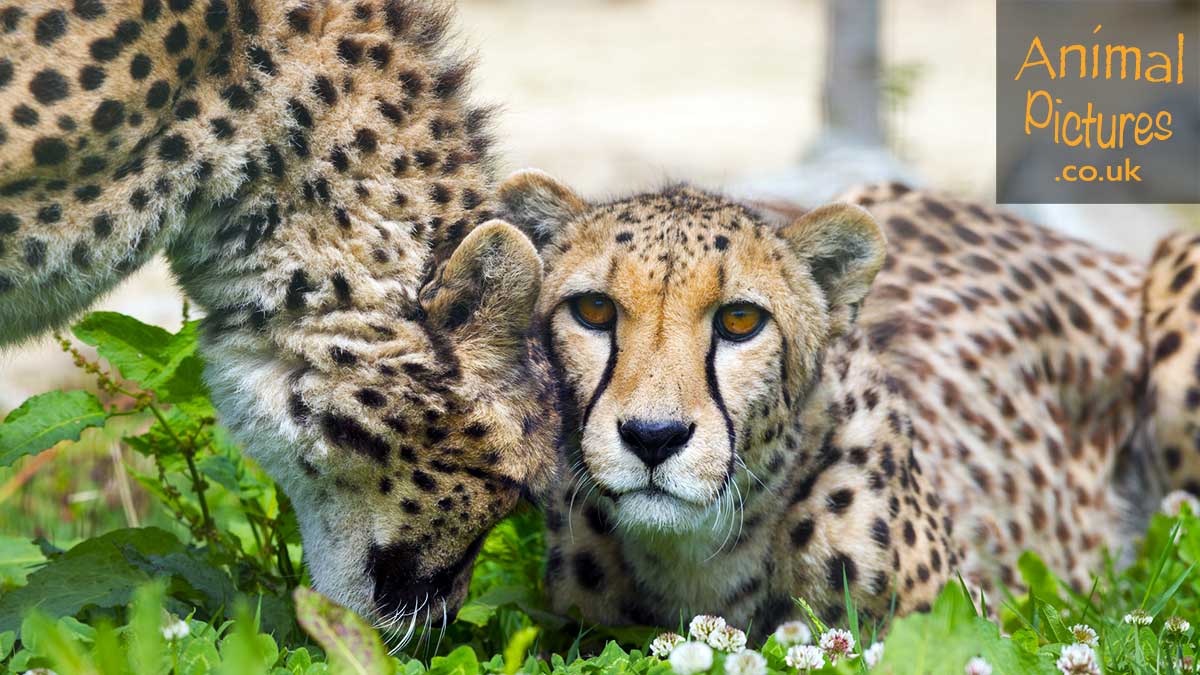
x: 1087, y: 134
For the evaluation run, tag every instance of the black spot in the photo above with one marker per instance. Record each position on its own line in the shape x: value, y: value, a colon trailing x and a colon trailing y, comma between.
x: 9, y: 223
x: 102, y: 225
x: 151, y: 9
x: 50, y: 27
x: 424, y: 481
x: 339, y: 159
x: 350, y: 51
x: 297, y: 287
x: 261, y: 58
x: 51, y: 213
x: 910, y: 535
x: 91, y: 77
x: 237, y: 97
x: 173, y: 148
x: 49, y: 86
x: 176, y: 39
x: 588, y: 572
x: 128, y: 32
x: 87, y: 193
x: 366, y: 141
x: 341, y: 288
x: 380, y: 54
x: 6, y: 72
x: 221, y: 127
x: 81, y: 255
x: 1167, y: 346
x: 139, y: 199
x: 89, y: 9
x: 370, y: 398
x: 187, y: 109
x: 216, y: 15
x: 300, y: 19
x: 881, y: 533
x: 24, y: 116
x: 385, y: 485
x: 247, y: 17
x: 35, y: 252
x: 840, y: 570
x: 108, y: 115
x: 347, y: 433
x: 49, y: 151
x: 840, y: 500
x: 140, y: 66
x: 323, y: 87
x: 440, y: 193
x: 156, y: 97
x: 721, y: 242
x: 179, y: 5
x: 185, y: 68
x: 10, y: 18
x: 105, y: 49
x: 802, y: 532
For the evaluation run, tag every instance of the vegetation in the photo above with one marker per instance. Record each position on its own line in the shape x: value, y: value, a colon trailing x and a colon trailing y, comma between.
x: 135, y: 538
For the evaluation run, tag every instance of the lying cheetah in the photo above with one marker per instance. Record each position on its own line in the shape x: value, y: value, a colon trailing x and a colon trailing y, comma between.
x: 322, y: 189
x: 771, y: 410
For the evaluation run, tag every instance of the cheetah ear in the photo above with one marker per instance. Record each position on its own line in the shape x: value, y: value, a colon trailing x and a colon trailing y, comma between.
x: 539, y: 205
x: 844, y: 249
x: 485, y: 295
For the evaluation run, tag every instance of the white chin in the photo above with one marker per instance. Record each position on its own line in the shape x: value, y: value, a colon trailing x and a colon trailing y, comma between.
x: 657, y: 512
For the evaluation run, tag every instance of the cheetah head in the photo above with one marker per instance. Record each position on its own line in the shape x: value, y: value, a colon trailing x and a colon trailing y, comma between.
x: 686, y: 329
x: 408, y: 435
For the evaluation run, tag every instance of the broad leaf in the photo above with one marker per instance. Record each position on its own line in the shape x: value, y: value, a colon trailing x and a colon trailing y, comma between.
x: 44, y: 420
x: 18, y: 558
x: 140, y: 351
x: 350, y: 643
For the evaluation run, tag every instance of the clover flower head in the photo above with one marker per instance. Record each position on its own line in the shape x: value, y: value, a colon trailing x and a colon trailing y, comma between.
x: 1085, y: 634
x: 873, y: 654
x: 704, y: 625
x: 727, y: 639
x: 663, y: 644
x: 837, y: 644
x: 746, y: 662
x: 1172, y: 504
x: 1186, y: 665
x: 39, y: 671
x: 175, y: 630
x: 793, y: 633
x: 1139, y: 617
x: 1078, y: 659
x: 805, y: 657
x: 978, y: 666
x: 690, y: 658
x: 1177, y: 625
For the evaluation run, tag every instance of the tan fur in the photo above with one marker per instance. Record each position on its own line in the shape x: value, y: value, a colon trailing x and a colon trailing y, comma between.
x: 309, y: 168
x: 977, y: 408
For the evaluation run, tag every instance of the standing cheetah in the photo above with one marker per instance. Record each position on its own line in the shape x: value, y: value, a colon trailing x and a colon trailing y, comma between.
x: 322, y: 189
x: 764, y: 410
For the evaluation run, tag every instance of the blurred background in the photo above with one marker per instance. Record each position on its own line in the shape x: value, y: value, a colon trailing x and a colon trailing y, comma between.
x: 768, y: 99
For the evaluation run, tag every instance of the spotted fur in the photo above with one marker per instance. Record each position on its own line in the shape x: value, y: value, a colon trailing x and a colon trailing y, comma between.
x: 976, y: 404
x: 321, y: 187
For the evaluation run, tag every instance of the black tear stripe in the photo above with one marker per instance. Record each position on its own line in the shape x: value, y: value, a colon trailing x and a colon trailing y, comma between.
x: 783, y: 375
x: 714, y: 391
x: 605, y: 378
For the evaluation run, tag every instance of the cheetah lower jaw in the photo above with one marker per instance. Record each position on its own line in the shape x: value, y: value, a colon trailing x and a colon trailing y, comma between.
x: 653, y: 509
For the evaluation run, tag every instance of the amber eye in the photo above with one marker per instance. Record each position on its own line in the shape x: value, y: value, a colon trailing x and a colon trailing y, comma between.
x: 594, y: 310
x: 740, y: 321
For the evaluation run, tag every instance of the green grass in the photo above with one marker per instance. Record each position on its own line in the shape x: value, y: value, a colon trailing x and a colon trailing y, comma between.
x: 147, y: 517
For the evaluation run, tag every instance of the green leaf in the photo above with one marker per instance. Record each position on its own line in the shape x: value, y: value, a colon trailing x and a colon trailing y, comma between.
x: 350, y: 643
x: 18, y: 558
x: 46, y: 419
x: 56, y: 644
x: 517, y: 646
x: 7, y: 639
x: 461, y: 661
x: 142, y: 352
x: 95, y: 573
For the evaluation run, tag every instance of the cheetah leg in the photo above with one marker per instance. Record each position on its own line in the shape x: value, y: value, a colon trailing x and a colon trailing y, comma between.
x: 1170, y: 324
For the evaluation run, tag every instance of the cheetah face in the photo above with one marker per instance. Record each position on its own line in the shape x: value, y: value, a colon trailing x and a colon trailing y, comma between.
x: 685, y: 328
x: 408, y: 443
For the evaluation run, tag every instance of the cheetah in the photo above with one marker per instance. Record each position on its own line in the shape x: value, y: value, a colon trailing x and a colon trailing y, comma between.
x: 870, y: 397
x: 322, y: 188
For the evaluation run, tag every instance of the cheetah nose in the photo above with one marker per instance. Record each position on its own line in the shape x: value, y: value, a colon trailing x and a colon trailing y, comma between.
x: 654, y: 441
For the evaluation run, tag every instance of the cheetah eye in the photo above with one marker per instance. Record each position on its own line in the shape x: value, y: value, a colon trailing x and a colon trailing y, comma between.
x: 594, y: 310
x: 739, y: 321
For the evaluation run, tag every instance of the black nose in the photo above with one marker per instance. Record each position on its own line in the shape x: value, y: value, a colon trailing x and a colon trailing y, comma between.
x: 653, y: 441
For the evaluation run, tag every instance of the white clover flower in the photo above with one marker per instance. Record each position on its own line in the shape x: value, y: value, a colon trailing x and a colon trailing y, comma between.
x: 793, y: 633
x: 805, y: 657
x: 703, y: 625
x: 978, y: 666
x: 1177, y: 625
x: 728, y: 639
x: 1139, y: 617
x: 690, y: 658
x: 39, y: 671
x: 663, y: 644
x: 746, y: 662
x: 1085, y: 634
x: 1172, y: 503
x: 837, y: 644
x: 1078, y: 659
x: 873, y: 654
x: 175, y: 630
x: 1186, y: 665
